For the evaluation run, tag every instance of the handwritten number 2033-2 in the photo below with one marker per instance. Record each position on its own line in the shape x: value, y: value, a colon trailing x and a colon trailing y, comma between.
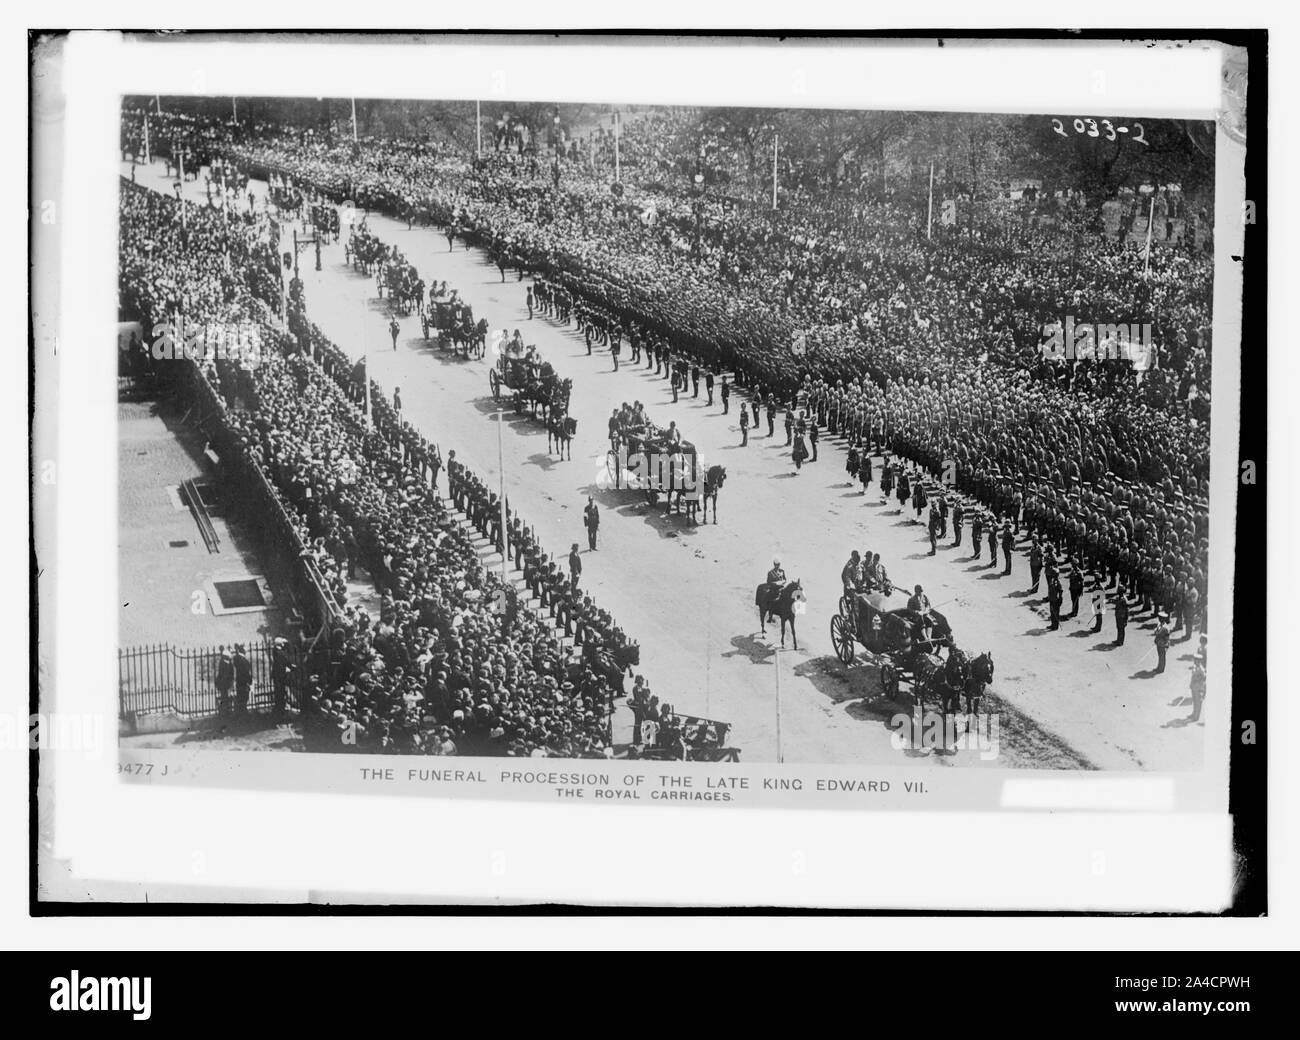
x: 1102, y: 128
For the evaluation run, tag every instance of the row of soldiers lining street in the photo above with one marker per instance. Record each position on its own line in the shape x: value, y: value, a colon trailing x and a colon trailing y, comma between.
x: 590, y: 626
x: 1148, y: 541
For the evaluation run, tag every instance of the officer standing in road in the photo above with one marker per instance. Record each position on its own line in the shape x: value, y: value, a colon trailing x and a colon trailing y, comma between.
x: 575, y: 566
x: 394, y: 330
x: 993, y: 541
x: 1121, y: 616
x: 958, y: 515
x: 726, y: 396
x: 1076, y: 589
x: 1036, y: 562
x: 976, y: 532
x: 1161, y: 638
x: 744, y: 427
x: 1054, y: 599
x: 1008, y: 543
x: 591, y: 520
x: 708, y: 386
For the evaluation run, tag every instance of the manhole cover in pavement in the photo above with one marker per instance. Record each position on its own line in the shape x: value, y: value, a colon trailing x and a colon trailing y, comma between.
x: 237, y: 594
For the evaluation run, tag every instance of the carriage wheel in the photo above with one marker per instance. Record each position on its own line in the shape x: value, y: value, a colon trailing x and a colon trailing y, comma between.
x: 844, y: 607
x: 842, y: 640
x: 889, y: 681
x: 494, y: 381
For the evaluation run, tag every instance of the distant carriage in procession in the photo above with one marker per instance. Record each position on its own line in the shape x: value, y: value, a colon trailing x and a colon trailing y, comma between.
x: 910, y: 646
x: 651, y: 463
x: 454, y: 328
x: 533, y: 385
x: 695, y: 740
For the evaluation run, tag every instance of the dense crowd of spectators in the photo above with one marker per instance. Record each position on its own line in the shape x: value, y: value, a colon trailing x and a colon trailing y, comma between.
x: 452, y: 664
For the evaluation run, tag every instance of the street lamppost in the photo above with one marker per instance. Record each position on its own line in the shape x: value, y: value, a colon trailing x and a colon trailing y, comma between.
x: 776, y: 664
x: 505, y: 531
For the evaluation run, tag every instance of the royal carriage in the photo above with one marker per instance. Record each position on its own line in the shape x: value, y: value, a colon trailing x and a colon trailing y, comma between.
x: 646, y: 460
x: 906, y: 642
x: 698, y: 740
x: 532, y: 384
x: 452, y: 326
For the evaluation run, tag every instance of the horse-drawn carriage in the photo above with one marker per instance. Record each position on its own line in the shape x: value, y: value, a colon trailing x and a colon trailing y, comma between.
x: 686, y: 738
x: 645, y: 459
x: 910, y: 646
x: 533, y: 383
x: 455, y: 329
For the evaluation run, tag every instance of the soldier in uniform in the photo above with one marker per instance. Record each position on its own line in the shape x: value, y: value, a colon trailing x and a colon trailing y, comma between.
x: 1054, y: 599
x: 1076, y: 588
x: 958, y: 515
x: 1161, y: 639
x: 1121, y: 617
x: 1035, y: 562
x: 591, y: 520
x: 744, y: 426
x: 993, y: 541
x: 976, y: 531
x: 726, y: 396
x: 1008, y: 543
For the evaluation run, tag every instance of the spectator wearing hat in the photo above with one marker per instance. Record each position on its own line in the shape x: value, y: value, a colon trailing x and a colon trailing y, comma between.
x: 225, y: 679
x: 243, y: 678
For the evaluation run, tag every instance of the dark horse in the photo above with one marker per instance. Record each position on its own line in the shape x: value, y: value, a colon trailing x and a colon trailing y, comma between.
x: 981, y: 675
x: 778, y: 601
x: 944, y: 680
x: 559, y: 433
x: 714, y: 478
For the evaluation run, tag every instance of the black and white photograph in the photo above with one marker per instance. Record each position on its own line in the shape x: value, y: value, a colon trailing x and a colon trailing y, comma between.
x: 545, y: 429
